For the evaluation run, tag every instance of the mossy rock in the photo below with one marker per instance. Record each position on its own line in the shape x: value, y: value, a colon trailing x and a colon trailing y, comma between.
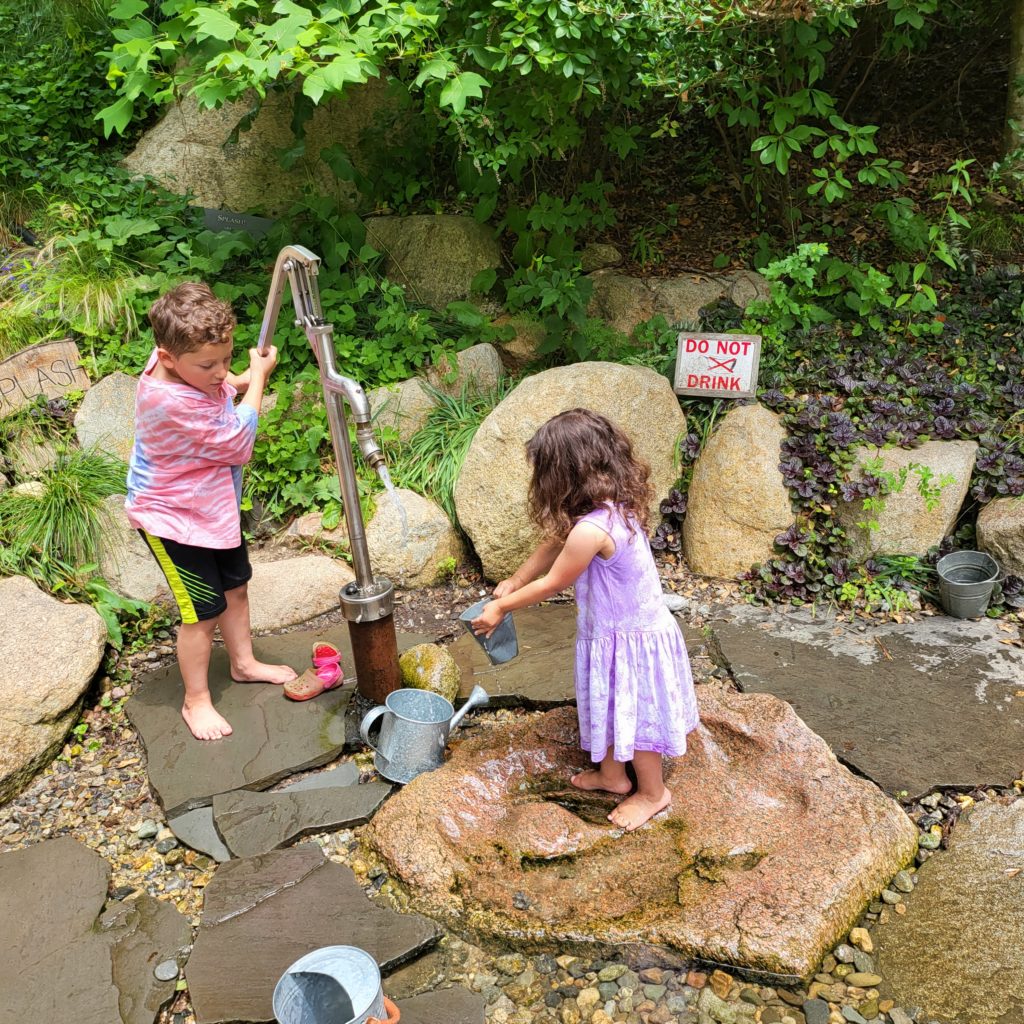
x: 429, y: 667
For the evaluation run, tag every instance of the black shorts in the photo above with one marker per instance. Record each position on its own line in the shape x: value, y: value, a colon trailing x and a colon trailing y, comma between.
x: 198, y: 577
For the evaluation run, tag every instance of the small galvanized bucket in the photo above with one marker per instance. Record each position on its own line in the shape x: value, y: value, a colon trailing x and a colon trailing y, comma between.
x: 502, y: 645
x: 333, y: 985
x: 966, y: 582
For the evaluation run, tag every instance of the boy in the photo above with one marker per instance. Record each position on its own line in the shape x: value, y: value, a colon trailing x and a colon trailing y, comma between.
x: 185, y: 486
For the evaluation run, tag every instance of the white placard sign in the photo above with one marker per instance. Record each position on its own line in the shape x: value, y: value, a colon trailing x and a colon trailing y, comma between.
x: 717, y: 365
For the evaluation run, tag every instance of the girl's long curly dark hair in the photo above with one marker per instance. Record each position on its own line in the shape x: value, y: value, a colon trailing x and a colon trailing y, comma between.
x: 580, y: 460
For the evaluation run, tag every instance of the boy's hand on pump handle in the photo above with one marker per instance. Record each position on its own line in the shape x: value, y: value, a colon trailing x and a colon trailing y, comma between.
x: 262, y: 363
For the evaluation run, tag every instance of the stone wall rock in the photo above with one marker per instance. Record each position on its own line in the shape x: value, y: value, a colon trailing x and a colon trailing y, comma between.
x: 1001, y: 533
x: 294, y: 590
x: 106, y: 418
x: 413, y: 551
x: 738, y: 503
x: 907, y: 526
x: 126, y: 562
x: 490, y: 495
x: 435, y: 258
x: 49, y: 653
x: 429, y: 667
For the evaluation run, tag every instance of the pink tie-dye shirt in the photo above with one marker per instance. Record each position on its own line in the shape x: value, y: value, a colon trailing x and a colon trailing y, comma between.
x: 184, y: 474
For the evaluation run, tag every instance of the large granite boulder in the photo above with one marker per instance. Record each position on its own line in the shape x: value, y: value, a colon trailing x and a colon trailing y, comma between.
x: 293, y: 590
x: 106, y: 418
x: 770, y: 850
x: 957, y: 952
x: 490, y: 495
x: 738, y: 503
x: 126, y: 562
x: 49, y: 653
x: 429, y: 667
x: 189, y: 150
x: 435, y: 258
x: 625, y: 302
x: 922, y: 510
x: 31, y: 455
x: 62, y: 955
x: 402, y: 407
x: 411, y: 541
x: 1001, y: 533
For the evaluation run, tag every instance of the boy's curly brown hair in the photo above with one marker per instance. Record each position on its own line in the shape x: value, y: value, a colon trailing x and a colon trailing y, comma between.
x: 190, y: 316
x: 580, y: 460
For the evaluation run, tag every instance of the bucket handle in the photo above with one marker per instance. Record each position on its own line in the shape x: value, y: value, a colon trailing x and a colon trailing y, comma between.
x: 392, y: 1011
x: 367, y: 724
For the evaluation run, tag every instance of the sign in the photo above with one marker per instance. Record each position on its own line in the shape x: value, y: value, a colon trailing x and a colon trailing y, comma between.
x: 225, y: 220
x: 50, y: 370
x: 717, y: 365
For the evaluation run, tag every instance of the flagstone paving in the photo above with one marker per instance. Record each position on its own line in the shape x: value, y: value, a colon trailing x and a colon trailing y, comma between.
x: 958, y: 952
x: 273, y: 737
x: 62, y: 959
x: 934, y: 703
x: 445, y: 1006
x: 261, y: 914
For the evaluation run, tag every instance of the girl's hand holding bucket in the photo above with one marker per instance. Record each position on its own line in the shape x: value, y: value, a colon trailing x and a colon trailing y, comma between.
x: 488, y: 620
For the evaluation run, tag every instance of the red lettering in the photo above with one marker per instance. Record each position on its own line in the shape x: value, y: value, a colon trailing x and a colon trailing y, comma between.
x: 691, y: 380
x: 696, y: 345
x: 734, y: 384
x: 705, y: 382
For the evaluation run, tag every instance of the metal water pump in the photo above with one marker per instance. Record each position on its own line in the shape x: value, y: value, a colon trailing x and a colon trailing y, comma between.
x: 368, y: 602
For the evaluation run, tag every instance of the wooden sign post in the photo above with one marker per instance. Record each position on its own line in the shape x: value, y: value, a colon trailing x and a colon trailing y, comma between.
x: 51, y: 370
x: 717, y: 365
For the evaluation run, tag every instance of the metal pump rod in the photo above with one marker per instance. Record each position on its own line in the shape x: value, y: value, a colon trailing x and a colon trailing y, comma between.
x: 368, y: 599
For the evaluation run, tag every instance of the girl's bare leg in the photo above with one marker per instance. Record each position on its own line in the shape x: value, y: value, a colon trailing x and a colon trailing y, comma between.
x: 651, y: 794
x: 610, y: 777
x: 195, y: 640
x: 237, y: 633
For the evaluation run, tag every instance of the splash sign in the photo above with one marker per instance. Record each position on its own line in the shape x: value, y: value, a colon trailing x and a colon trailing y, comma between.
x: 717, y: 365
x: 50, y: 370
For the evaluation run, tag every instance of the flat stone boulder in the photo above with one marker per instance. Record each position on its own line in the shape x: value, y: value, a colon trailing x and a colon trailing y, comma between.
x: 62, y: 955
x: 914, y: 706
x: 957, y: 952
x: 737, y: 502
x: 196, y: 829
x: 294, y: 590
x: 273, y: 737
x: 435, y: 258
x: 260, y: 915
x: 932, y: 482
x: 49, y: 654
x: 431, y: 667
x: 412, y: 543
x: 106, y: 418
x: 126, y: 562
x: 769, y: 853
x: 490, y: 494
x: 1001, y: 533
x: 256, y: 823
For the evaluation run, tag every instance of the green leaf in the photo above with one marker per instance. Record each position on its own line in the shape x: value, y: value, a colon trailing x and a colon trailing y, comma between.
x: 116, y: 117
x: 125, y: 10
x: 213, y: 23
x: 460, y: 88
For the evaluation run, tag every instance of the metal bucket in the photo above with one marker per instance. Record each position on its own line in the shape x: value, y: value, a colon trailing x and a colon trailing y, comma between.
x: 332, y: 985
x: 966, y: 582
x: 502, y: 645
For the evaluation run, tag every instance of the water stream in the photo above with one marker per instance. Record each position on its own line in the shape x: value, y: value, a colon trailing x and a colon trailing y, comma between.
x: 385, y: 477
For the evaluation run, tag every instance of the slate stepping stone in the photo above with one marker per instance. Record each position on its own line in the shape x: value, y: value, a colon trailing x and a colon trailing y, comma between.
x: 912, y: 707
x: 260, y: 915
x: 196, y: 829
x: 445, y: 1006
x: 543, y: 673
x: 255, y: 823
x: 61, y: 959
x: 957, y: 951
x: 273, y: 737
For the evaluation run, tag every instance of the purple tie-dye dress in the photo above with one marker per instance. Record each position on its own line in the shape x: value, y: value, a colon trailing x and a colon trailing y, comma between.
x: 634, y: 690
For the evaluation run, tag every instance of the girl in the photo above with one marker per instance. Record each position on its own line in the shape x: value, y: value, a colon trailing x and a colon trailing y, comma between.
x: 634, y: 692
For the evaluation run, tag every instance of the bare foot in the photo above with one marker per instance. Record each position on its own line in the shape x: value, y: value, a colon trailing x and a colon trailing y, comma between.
x: 204, y: 722
x: 596, y: 779
x: 634, y: 811
x: 257, y: 672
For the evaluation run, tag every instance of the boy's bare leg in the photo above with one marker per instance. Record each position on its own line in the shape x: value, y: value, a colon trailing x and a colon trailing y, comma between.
x: 651, y: 794
x: 610, y: 777
x: 236, y: 630
x: 195, y: 641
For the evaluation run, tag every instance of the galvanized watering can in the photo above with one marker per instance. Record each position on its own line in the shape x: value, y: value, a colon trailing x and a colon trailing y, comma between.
x: 414, y: 730
x: 333, y: 985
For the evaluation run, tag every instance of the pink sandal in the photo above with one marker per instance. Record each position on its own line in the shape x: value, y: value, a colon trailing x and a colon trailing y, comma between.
x: 324, y: 653
x: 325, y: 675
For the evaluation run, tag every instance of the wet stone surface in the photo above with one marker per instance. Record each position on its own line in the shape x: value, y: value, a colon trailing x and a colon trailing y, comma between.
x: 450, y: 1005
x: 61, y: 953
x: 500, y: 846
x: 262, y: 914
x: 933, y: 703
x: 273, y: 737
